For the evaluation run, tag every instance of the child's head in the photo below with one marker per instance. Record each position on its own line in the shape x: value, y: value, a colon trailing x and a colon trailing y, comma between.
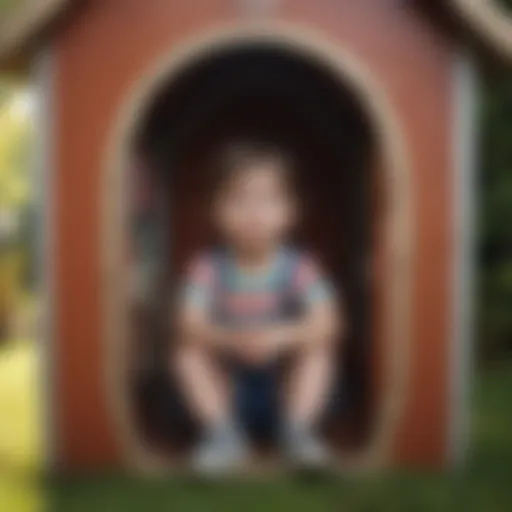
x: 254, y: 204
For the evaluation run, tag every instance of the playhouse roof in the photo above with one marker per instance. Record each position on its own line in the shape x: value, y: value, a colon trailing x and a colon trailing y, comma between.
x: 27, y: 26
x: 488, y: 20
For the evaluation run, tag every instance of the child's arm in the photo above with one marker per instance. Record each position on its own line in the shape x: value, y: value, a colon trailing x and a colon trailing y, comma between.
x: 321, y: 323
x: 195, y: 326
x: 194, y: 321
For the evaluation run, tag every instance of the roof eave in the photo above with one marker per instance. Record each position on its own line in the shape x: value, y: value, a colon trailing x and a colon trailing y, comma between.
x: 489, y: 21
x: 24, y: 29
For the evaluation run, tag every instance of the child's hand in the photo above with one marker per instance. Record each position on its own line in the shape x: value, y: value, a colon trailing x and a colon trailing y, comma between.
x: 260, y: 346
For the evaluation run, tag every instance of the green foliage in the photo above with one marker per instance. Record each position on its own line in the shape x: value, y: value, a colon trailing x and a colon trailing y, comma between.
x: 14, y: 150
x: 506, y: 4
x: 15, y: 197
x: 495, y: 233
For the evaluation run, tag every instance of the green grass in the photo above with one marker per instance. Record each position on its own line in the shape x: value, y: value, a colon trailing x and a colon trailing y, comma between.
x: 484, y: 486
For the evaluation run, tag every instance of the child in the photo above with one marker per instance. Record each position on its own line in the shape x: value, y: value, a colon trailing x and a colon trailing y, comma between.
x: 249, y: 303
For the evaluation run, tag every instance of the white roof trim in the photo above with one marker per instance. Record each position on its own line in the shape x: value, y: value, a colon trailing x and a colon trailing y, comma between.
x: 25, y: 23
x: 491, y: 21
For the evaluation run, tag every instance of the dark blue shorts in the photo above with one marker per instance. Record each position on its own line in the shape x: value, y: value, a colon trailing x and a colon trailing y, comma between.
x: 257, y: 401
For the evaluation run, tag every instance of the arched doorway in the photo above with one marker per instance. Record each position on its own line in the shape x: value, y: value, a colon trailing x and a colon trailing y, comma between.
x: 352, y: 176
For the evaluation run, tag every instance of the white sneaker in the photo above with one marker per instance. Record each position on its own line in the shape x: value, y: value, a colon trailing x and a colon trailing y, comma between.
x: 306, y: 451
x: 219, y: 453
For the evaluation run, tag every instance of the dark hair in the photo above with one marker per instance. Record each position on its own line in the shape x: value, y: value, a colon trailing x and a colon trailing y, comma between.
x: 240, y: 156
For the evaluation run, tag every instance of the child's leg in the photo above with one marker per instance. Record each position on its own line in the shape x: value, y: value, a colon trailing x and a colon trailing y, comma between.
x: 309, y: 385
x: 208, y: 394
x: 204, y: 385
x: 307, y: 394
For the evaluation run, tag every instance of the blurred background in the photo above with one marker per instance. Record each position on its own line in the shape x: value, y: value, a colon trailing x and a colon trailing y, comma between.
x: 483, y: 485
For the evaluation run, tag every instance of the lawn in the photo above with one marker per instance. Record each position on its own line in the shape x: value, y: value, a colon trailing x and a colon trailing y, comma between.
x: 484, y: 486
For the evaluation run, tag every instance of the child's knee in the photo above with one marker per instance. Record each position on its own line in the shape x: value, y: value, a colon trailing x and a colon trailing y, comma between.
x: 188, y: 357
x: 317, y: 348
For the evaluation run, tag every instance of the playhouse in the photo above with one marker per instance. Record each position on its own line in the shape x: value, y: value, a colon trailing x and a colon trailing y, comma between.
x: 375, y: 96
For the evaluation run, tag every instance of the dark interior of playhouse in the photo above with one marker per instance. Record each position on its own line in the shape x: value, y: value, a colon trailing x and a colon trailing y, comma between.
x: 270, y: 94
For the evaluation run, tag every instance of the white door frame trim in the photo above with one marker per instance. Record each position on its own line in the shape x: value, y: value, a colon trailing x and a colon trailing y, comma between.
x: 465, y: 157
x: 42, y: 74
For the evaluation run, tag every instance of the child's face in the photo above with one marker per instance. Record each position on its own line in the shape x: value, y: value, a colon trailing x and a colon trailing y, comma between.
x: 255, y: 209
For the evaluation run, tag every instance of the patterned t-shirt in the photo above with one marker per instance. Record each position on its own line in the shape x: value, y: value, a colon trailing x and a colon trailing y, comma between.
x: 291, y: 283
